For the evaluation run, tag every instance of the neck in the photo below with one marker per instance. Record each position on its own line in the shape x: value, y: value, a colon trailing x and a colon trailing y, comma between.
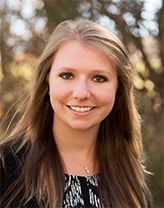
x: 74, y: 141
x: 76, y: 146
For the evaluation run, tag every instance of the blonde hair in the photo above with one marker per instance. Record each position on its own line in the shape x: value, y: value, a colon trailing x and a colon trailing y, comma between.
x: 121, y: 174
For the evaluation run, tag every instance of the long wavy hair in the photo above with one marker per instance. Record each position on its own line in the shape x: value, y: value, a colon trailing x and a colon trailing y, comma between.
x: 121, y: 175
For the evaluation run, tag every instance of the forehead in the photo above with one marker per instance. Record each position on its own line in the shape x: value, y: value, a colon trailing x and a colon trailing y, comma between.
x: 78, y: 52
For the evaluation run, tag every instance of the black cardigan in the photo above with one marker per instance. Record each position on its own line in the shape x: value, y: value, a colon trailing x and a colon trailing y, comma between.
x: 10, y: 170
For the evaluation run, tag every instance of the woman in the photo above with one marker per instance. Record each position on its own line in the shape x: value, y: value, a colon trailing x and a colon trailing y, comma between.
x: 78, y: 143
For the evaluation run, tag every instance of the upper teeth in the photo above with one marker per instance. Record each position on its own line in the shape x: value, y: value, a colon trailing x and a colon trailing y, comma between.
x: 81, y: 109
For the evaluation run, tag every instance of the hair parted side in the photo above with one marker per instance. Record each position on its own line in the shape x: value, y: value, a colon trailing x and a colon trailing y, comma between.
x: 121, y: 175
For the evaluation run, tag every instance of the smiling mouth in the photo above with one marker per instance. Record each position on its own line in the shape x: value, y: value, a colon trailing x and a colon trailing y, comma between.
x: 81, y: 109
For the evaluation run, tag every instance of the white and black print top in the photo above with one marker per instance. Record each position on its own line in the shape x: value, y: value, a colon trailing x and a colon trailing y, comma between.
x: 80, y: 192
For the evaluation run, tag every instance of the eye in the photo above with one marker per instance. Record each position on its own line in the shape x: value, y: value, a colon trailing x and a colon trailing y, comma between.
x: 66, y: 75
x: 100, y: 78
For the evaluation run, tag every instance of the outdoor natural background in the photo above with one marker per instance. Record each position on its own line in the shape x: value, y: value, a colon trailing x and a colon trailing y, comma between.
x: 26, y: 26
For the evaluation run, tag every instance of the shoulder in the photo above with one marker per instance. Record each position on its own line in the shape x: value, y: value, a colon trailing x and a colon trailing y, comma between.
x: 11, y: 163
x: 12, y: 154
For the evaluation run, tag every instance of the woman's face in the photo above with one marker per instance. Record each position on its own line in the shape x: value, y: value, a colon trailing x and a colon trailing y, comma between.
x: 82, y: 86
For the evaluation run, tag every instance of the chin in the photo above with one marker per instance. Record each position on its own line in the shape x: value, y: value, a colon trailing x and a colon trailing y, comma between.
x: 82, y: 127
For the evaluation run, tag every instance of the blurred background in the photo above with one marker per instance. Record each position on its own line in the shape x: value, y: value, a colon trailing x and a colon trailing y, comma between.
x: 25, y: 28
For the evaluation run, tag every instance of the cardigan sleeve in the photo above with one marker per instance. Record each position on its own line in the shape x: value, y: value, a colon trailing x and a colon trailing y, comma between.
x: 10, y: 169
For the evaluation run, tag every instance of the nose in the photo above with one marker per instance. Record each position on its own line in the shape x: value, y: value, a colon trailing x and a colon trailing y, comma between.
x: 81, y: 90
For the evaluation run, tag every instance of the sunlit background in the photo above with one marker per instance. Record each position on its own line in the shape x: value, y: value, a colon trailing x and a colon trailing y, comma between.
x: 25, y: 28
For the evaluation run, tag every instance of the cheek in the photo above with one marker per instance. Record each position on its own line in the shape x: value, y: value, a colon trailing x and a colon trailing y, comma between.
x: 58, y: 94
x: 108, y: 94
x: 108, y: 100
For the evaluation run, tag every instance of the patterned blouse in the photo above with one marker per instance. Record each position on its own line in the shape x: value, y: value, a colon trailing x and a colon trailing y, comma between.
x: 81, y: 191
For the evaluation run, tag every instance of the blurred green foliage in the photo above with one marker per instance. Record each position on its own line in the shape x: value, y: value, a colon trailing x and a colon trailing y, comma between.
x: 26, y: 26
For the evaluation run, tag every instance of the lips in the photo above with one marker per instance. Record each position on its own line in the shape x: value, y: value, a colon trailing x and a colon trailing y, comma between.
x: 81, y: 109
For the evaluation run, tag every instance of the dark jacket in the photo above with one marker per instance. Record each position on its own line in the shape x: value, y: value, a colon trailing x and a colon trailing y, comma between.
x: 10, y: 169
